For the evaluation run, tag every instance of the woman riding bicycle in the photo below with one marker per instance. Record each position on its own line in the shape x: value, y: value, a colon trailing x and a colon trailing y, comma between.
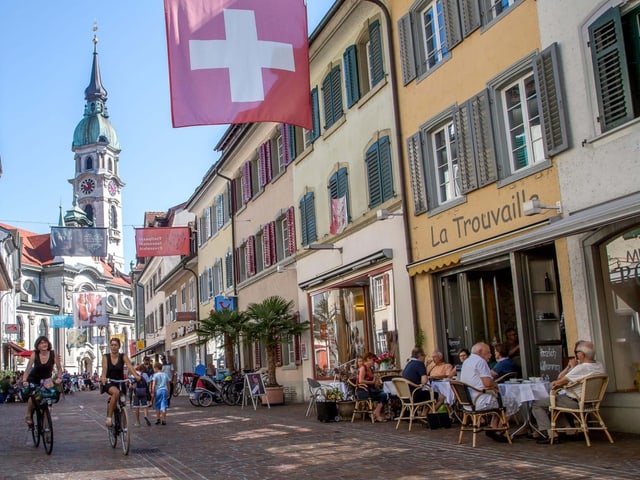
x: 113, y: 368
x: 43, y: 361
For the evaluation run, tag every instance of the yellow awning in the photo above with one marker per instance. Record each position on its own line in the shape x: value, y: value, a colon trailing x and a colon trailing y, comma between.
x: 437, y: 263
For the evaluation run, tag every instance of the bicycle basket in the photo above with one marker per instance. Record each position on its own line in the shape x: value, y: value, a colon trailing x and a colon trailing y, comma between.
x: 51, y: 394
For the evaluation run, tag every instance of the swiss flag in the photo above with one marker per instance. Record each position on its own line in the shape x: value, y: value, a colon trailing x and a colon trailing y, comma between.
x: 238, y: 61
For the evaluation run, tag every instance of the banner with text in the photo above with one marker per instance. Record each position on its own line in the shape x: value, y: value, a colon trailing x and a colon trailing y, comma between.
x: 163, y: 241
x: 78, y: 242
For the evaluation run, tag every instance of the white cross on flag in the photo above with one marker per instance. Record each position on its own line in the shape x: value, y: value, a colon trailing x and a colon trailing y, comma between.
x: 238, y: 61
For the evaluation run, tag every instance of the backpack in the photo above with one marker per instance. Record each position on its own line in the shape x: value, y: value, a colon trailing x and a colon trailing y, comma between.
x: 142, y: 387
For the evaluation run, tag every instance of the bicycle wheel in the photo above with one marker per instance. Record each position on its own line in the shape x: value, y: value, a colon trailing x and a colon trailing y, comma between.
x: 233, y: 394
x: 124, y: 431
x: 205, y: 399
x: 177, y: 389
x: 113, y: 436
x: 47, y: 431
x: 35, y: 429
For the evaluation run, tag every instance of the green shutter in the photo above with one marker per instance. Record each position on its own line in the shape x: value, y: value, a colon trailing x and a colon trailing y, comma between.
x: 407, y: 55
x: 315, y: 115
x: 336, y: 93
x: 310, y: 215
x: 303, y: 220
x: 550, y: 101
x: 375, y: 53
x: 373, y: 175
x: 484, y: 148
x: 386, y: 169
x: 291, y: 136
x: 610, y: 68
x: 468, y: 175
x: 416, y: 172
x: 326, y: 101
x: 351, y: 75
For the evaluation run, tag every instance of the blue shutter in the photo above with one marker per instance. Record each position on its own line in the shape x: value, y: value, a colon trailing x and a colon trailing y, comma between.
x: 351, y: 75
x: 386, y: 169
x: 292, y: 147
x: 336, y: 93
x: 315, y: 116
x: 373, y: 176
x: 303, y: 220
x: 375, y: 53
x: 326, y: 101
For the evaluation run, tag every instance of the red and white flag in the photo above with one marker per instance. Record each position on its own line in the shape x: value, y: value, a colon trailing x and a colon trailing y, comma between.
x: 339, y: 215
x: 238, y: 61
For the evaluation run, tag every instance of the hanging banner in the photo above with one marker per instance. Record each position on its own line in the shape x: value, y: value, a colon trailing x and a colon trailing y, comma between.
x: 76, y: 337
x: 78, y: 242
x: 225, y: 303
x: 339, y: 216
x: 11, y: 328
x: 61, y: 321
x: 90, y: 308
x: 163, y: 241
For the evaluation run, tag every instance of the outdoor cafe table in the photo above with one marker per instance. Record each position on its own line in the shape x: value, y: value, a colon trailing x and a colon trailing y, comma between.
x: 518, y: 393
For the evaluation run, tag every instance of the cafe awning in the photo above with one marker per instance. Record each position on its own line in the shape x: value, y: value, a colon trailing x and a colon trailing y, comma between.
x: 15, y: 347
x: 149, y: 348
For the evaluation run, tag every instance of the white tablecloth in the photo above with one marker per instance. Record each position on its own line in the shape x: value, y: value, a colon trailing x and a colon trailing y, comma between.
x: 444, y: 388
x: 515, y: 394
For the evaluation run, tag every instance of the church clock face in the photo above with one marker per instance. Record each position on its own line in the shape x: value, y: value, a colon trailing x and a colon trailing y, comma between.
x: 112, y: 187
x: 87, y: 186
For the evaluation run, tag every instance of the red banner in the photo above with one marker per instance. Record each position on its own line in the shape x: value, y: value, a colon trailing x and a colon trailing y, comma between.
x: 163, y: 241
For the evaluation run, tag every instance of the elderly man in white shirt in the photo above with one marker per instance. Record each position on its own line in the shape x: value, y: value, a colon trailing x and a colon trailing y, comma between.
x: 579, y: 367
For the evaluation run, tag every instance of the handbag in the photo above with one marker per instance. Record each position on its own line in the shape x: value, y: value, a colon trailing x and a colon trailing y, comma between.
x: 438, y: 420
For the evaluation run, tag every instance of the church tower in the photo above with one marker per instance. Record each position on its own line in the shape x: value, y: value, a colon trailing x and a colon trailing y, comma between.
x: 97, y: 187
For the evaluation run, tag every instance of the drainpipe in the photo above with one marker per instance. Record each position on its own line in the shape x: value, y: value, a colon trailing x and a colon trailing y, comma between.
x: 400, y: 154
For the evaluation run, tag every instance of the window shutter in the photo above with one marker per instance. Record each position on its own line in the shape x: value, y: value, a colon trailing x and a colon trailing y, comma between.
x: 351, y: 75
x: 610, y: 67
x: 484, y: 147
x: 251, y: 256
x: 291, y: 231
x: 210, y: 277
x: 376, y: 59
x: 220, y: 211
x: 386, y: 168
x: 272, y: 236
x: 286, y: 144
x: 416, y: 172
x: 336, y: 93
x: 296, y: 343
x: 470, y: 16
x: 385, y: 289
x: 267, y: 160
x: 310, y: 207
x: 452, y: 27
x: 468, y: 175
x: 373, y: 176
x: 315, y: 116
x: 266, y: 245
x: 333, y: 186
x: 246, y: 182
x: 228, y: 260
x: 262, y: 167
x: 303, y: 220
x: 292, y: 147
x: 257, y: 356
x: 278, y: 354
x: 550, y: 101
x: 236, y: 264
x: 342, y: 184
x: 407, y: 55
x: 201, y: 288
x: 326, y: 101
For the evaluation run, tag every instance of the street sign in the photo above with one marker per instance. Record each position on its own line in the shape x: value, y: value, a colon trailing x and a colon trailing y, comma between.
x: 11, y: 328
x: 185, y: 316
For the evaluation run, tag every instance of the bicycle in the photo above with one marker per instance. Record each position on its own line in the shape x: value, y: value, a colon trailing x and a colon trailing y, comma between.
x: 184, y: 384
x: 42, y: 399
x: 120, y: 420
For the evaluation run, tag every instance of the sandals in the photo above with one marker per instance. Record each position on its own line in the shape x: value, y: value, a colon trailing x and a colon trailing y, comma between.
x: 28, y: 421
x: 380, y: 420
x: 107, y: 422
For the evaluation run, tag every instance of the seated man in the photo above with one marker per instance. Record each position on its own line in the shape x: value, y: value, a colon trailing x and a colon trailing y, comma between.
x: 437, y: 369
x: 578, y: 368
x: 416, y: 372
x: 475, y: 372
x: 504, y: 364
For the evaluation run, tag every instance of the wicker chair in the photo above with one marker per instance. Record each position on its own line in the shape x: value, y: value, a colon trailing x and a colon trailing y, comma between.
x: 472, y: 419
x: 416, y: 410
x: 506, y: 377
x: 592, y: 389
x: 364, y: 405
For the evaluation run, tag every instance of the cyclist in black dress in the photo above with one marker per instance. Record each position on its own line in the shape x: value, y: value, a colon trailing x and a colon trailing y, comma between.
x: 42, y: 360
x: 113, y: 368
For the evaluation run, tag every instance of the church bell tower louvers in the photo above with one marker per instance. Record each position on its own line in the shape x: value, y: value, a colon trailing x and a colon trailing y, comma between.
x: 97, y: 186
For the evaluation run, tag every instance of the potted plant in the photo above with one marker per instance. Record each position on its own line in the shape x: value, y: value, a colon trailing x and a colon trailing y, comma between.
x: 385, y: 360
x: 271, y: 322
x: 327, y: 404
x: 227, y: 324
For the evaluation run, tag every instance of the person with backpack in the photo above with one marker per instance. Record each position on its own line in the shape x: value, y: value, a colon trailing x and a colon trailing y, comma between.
x: 141, y: 395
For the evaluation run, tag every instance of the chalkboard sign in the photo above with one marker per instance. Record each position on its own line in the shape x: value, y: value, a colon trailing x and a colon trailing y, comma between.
x: 454, y: 346
x: 550, y: 361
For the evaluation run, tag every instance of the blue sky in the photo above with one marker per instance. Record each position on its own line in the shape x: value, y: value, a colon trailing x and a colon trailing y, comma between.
x: 45, y: 53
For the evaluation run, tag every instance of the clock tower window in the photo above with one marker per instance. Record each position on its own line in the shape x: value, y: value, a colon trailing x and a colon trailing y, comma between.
x: 89, y: 163
x: 113, y: 220
x: 88, y: 210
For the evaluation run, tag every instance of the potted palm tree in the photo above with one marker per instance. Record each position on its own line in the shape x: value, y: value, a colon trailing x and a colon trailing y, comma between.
x: 270, y: 323
x: 227, y: 324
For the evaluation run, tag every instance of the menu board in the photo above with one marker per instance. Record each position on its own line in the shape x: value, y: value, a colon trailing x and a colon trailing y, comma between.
x: 550, y: 361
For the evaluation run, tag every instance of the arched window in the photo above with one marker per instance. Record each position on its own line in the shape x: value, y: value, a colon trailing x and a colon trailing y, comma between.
x: 88, y: 163
x: 110, y: 165
x: 113, y: 217
x: 43, y: 327
x: 88, y: 209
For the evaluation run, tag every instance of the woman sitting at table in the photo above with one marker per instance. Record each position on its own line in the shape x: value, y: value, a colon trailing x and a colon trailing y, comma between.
x: 504, y: 364
x: 437, y: 369
x: 374, y: 390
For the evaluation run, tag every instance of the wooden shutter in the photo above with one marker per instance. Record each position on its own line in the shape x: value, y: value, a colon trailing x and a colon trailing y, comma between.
x: 257, y: 356
x: 246, y: 182
x: 308, y: 218
x: 407, y: 54
x: 464, y: 132
x: 251, y: 256
x: 228, y: 264
x: 452, y: 28
x: 469, y: 16
x: 416, y: 173
x: 292, y: 145
x: 551, y: 101
x: 266, y: 246
x: 373, y: 176
x: 386, y: 168
x: 303, y: 220
x: 336, y: 93
x: 326, y: 101
x: 376, y: 60
x: 484, y: 147
x: 220, y: 211
x: 286, y: 146
x: 610, y: 68
x: 262, y: 167
x: 267, y: 160
x: 352, y: 84
x: 278, y: 354
x: 315, y: 116
x: 386, y: 298
x: 291, y: 231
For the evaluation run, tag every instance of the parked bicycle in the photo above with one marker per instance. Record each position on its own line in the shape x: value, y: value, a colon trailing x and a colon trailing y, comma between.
x: 186, y: 383
x: 42, y: 426
x: 120, y: 419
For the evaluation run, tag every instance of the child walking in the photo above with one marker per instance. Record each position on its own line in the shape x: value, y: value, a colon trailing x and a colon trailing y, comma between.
x: 160, y: 393
x: 141, y: 395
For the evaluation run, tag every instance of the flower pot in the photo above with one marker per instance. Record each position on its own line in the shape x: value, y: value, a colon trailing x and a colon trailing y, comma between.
x: 345, y: 409
x: 327, y: 411
x: 275, y: 395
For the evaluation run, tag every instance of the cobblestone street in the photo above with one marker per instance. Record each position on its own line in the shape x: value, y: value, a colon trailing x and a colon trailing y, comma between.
x: 240, y: 443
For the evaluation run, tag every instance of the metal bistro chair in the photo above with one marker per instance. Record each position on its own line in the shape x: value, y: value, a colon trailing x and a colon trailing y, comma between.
x: 364, y: 404
x: 472, y: 419
x: 416, y: 410
x: 316, y: 390
x: 592, y: 389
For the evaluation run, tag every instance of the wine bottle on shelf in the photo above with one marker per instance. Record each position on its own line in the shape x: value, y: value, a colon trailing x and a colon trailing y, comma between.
x: 547, y: 282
